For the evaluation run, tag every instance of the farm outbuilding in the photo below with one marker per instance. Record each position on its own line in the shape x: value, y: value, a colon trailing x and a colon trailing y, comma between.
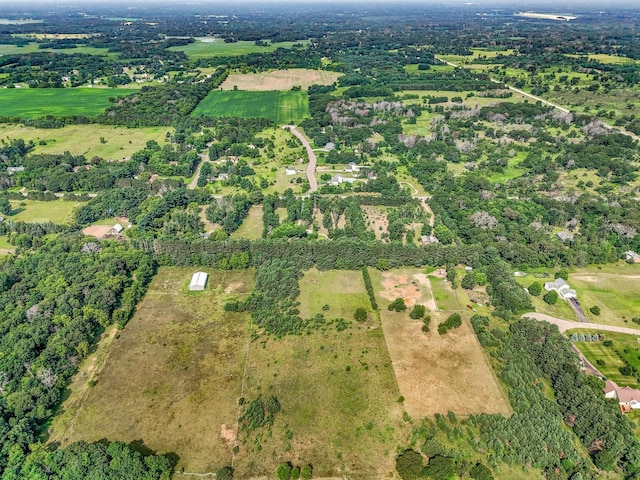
x: 198, y: 281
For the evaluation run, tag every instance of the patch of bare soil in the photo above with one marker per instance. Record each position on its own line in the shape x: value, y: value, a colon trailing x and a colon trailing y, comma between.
x: 97, y: 231
x: 412, y: 289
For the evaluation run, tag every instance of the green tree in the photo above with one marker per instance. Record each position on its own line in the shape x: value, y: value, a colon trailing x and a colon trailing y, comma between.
x: 283, y: 472
x: 306, y: 472
x: 535, y: 289
x: 480, y: 472
x: 397, y: 305
x: 551, y: 297
x: 468, y: 281
x: 409, y: 465
x: 360, y: 314
x: 443, y: 234
x: 417, y: 312
x: 595, y: 310
x: 440, y: 468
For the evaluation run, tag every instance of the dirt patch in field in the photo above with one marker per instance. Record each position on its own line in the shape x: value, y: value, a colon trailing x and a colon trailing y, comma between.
x: 413, y: 288
x: 234, y: 287
x: 437, y: 373
x: 228, y: 433
x: 97, y: 231
x: 279, y: 80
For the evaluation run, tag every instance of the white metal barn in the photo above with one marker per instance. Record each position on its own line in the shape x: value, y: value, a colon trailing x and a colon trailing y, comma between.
x: 198, y: 281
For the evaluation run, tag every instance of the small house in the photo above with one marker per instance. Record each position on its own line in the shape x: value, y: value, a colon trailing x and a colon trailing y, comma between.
x: 628, y: 398
x: 198, y: 281
x: 352, y: 167
x: 290, y: 171
x: 330, y: 146
x: 631, y: 256
x: 562, y: 287
x: 336, y: 180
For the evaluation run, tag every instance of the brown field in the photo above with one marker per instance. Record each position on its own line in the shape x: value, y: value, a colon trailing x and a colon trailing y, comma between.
x: 279, y: 79
x: 437, y: 373
x: 173, y: 376
x: 97, y: 231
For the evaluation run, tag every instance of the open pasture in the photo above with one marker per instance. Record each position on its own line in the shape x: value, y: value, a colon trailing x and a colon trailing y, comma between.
x: 252, y: 225
x: 35, y: 211
x: 119, y: 142
x: 281, y: 107
x: 279, y: 79
x: 174, y: 375
x: 59, y: 102
x: 217, y: 47
x: 339, y: 398
x: 616, y: 292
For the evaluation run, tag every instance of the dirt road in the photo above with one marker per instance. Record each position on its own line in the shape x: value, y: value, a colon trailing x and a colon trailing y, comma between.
x: 311, y: 168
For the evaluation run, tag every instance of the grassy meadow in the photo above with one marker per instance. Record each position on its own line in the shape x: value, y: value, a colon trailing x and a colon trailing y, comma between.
x: 281, y: 107
x: 59, y: 102
x: 34, y: 211
x: 173, y: 376
x: 119, y: 142
x: 217, y: 47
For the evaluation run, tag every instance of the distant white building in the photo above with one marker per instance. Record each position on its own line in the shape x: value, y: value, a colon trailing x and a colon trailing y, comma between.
x: 562, y: 287
x: 352, y: 167
x: 117, y: 229
x: 290, y: 171
x: 12, y: 170
x: 564, y: 236
x: 198, y: 281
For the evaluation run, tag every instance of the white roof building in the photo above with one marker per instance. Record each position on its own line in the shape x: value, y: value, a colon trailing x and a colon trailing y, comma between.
x: 290, y: 171
x: 562, y: 287
x: 198, y: 281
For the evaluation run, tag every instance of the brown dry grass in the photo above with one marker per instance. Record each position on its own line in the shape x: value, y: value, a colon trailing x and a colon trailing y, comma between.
x: 412, y: 286
x: 279, y: 79
x: 174, y: 375
x: 377, y: 218
x: 437, y: 373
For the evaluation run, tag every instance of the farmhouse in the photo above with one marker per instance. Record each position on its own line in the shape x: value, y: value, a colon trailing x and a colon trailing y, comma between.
x: 198, y: 281
x: 352, y: 167
x: 628, y: 398
x: 562, y: 287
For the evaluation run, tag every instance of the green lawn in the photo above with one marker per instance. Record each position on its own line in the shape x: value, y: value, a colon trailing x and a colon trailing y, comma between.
x: 32, y: 47
x: 281, y: 107
x: 444, y: 296
x: 216, y: 47
x: 624, y: 348
x: 59, y: 102
x: 33, y: 211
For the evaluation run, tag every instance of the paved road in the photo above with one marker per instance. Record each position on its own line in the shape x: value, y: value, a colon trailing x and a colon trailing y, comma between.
x: 196, y: 176
x: 565, y: 325
x: 311, y: 168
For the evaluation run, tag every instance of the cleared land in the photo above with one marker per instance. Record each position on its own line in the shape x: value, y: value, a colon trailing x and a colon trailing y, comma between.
x: 281, y: 107
x: 437, y: 373
x: 119, y: 142
x: 174, y: 375
x: 252, y: 226
x: 34, y: 211
x: 336, y: 388
x: 279, y: 79
x: 216, y: 47
x: 59, y: 102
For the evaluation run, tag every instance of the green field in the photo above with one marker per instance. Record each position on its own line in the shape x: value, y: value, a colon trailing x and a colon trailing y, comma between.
x: 34, y: 211
x: 59, y: 102
x: 281, y: 107
x: 32, y: 47
x: 216, y: 47
x: 117, y: 142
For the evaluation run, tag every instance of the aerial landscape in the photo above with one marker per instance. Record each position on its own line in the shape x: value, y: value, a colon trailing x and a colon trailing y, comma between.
x: 338, y: 240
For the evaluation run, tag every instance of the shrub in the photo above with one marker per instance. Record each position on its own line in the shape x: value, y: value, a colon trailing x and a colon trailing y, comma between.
x: 608, y: 343
x: 224, y: 473
x: 417, y: 312
x: 601, y: 362
x: 398, y: 305
x: 283, y: 472
x: 306, y: 472
x: 535, y: 289
x: 480, y: 472
x: 360, y: 315
x: 551, y: 297
x: 595, y: 310
x: 453, y: 321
